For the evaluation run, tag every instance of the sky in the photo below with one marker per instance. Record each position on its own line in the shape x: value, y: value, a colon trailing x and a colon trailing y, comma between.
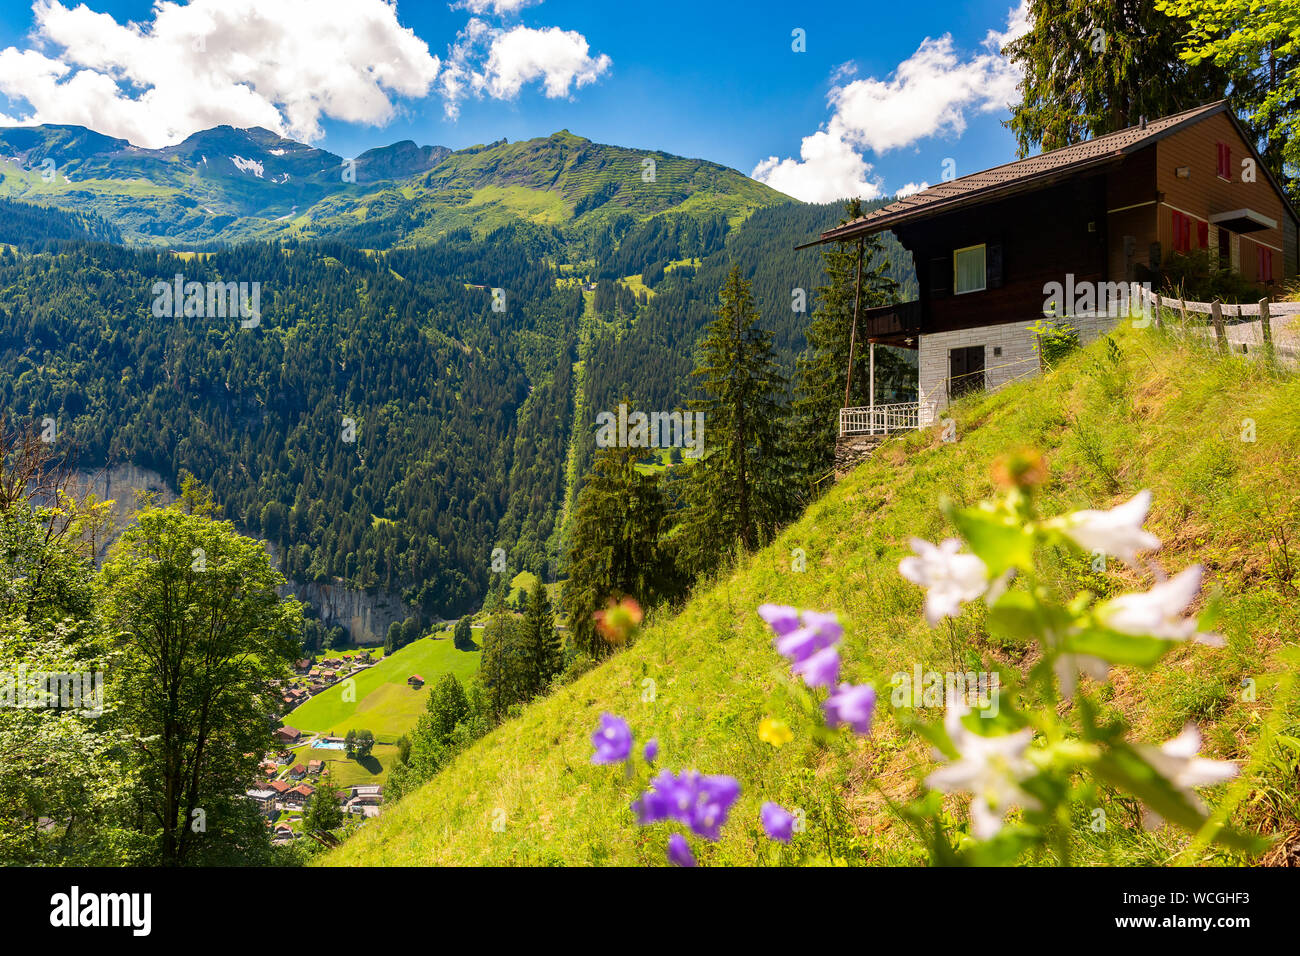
x: 819, y: 100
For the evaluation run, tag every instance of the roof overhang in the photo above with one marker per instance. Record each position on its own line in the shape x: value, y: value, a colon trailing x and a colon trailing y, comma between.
x: 1243, y: 220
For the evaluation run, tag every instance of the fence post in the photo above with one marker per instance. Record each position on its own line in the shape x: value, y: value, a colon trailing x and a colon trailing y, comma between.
x: 1160, y: 324
x: 1216, y: 314
x: 1267, y: 329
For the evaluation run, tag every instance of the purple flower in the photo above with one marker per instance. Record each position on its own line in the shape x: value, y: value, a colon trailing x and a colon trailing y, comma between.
x: 827, y: 625
x: 801, y: 644
x: 821, y: 669
x: 679, y: 851
x: 779, y: 617
x: 777, y: 823
x: 851, y: 704
x: 701, y: 803
x: 651, y: 749
x: 612, y: 740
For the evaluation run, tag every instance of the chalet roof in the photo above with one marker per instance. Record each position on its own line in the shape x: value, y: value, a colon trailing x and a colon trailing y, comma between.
x: 1024, y: 174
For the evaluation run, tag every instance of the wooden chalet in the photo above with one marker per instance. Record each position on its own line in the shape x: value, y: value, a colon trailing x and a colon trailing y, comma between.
x: 988, y: 247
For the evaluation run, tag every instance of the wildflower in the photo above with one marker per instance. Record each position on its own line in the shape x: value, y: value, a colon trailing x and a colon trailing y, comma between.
x: 800, y: 635
x: 1118, y: 531
x: 781, y: 618
x: 700, y: 802
x: 619, y: 620
x: 651, y: 750
x: 851, y: 704
x: 950, y: 578
x: 821, y: 669
x: 612, y: 740
x: 1177, y: 761
x: 988, y: 768
x: 679, y: 851
x: 1159, y: 612
x: 777, y: 823
x: 774, y: 732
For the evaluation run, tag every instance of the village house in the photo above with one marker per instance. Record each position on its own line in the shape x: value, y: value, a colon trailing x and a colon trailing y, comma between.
x: 315, y: 766
x: 298, y: 772
x: 416, y: 681
x: 265, y: 800
x: 995, y: 251
x: 286, y: 735
x: 279, y: 786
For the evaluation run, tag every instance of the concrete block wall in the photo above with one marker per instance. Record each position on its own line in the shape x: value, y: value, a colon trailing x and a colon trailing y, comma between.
x: 1018, y: 356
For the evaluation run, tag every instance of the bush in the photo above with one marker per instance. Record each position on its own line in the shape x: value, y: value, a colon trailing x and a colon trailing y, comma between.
x: 1198, y: 277
x: 1055, y: 341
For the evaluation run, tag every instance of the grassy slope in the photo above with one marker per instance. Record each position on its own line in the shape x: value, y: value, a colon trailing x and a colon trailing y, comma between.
x: 1163, y: 417
x: 384, y: 703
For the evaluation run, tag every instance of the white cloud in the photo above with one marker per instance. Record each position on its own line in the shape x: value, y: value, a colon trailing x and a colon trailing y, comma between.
x: 499, y: 7
x: 910, y: 189
x: 929, y: 94
x: 286, y: 66
x: 499, y: 62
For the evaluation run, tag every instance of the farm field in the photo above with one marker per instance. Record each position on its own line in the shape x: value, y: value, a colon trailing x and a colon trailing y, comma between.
x: 384, y: 704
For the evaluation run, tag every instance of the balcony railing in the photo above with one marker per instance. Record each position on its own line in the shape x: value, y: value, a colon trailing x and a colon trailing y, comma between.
x: 883, y: 419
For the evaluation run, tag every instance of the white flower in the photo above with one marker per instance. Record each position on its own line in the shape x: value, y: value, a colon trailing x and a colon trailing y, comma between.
x: 1159, y: 612
x: 988, y: 768
x: 949, y: 578
x: 1177, y: 761
x: 1118, y: 531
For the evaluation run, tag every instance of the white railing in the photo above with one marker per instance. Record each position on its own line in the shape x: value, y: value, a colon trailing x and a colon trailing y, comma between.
x: 883, y: 419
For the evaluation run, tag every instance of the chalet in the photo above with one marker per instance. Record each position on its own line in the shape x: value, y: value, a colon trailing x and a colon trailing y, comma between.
x: 287, y: 735
x: 279, y: 786
x: 298, y: 772
x: 315, y: 766
x: 303, y: 665
x: 996, y: 251
x: 416, y: 681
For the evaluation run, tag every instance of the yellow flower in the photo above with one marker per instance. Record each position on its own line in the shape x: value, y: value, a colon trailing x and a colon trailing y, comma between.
x: 775, y: 732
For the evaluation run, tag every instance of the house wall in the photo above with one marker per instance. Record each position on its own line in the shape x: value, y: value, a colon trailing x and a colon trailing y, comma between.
x: 1203, y: 193
x: 1018, y: 359
x: 1044, y: 235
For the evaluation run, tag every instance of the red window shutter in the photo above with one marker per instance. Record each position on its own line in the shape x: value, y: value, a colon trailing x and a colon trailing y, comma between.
x: 1264, y: 267
x: 1225, y: 161
x: 1202, y: 235
x: 1182, y: 233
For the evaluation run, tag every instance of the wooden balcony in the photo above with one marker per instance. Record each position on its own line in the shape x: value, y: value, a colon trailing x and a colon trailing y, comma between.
x: 892, y: 324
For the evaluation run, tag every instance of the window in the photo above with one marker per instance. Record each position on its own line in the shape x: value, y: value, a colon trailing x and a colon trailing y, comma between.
x: 968, y: 270
x: 1264, y: 266
x: 1225, y: 161
x: 1182, y: 232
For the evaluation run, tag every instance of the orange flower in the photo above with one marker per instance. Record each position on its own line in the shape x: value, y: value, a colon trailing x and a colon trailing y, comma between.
x: 619, y: 620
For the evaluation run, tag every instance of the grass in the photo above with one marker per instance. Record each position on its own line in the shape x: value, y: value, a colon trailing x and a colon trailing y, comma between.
x: 1161, y: 416
x: 383, y: 702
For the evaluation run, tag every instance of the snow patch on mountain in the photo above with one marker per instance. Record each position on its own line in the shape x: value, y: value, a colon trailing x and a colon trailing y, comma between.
x: 248, y: 166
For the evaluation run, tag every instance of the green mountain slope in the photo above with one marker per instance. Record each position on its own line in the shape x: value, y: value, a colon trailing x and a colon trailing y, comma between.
x: 1147, y: 414
x: 227, y: 185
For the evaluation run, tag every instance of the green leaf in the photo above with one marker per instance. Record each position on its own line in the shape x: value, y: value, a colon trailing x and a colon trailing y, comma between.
x: 998, y: 539
x: 1123, y: 767
x: 1116, y: 648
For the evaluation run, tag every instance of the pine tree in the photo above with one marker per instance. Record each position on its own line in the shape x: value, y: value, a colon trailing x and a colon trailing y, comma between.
x: 323, y: 813
x: 739, y: 490
x: 544, y: 653
x: 501, y: 668
x: 1097, y: 67
x: 463, y: 636
x: 820, y: 371
x: 616, y: 548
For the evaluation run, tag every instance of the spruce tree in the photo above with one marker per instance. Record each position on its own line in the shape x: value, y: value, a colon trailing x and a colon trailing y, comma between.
x: 821, y: 370
x: 738, y: 491
x: 544, y: 653
x: 615, y: 548
x: 323, y: 813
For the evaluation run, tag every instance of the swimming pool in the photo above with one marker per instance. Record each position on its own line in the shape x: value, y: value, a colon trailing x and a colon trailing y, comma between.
x: 326, y: 744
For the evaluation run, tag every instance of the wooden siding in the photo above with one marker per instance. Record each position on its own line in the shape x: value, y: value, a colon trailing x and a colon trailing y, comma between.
x: 1043, y: 235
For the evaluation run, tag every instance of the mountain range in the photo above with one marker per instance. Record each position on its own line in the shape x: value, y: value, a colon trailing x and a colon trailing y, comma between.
x: 226, y: 185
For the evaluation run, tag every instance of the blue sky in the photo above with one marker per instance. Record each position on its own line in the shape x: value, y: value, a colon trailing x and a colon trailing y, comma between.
x: 882, y: 95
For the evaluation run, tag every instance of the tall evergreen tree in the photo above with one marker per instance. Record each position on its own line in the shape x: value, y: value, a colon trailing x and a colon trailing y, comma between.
x: 323, y: 813
x: 820, y: 372
x: 1096, y: 67
x: 502, y: 668
x: 739, y: 489
x: 542, y: 644
x: 616, y: 547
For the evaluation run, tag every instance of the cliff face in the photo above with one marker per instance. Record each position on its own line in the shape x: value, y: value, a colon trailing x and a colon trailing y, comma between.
x: 364, y: 615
